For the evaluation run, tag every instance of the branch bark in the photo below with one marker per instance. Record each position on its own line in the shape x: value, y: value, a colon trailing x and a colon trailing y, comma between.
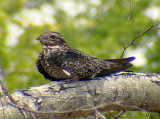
x: 122, y: 91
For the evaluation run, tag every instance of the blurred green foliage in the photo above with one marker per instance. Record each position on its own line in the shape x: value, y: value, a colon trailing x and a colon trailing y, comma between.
x: 96, y: 27
x: 132, y: 115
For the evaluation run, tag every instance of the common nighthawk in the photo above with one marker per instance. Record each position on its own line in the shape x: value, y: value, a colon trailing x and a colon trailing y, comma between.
x: 58, y: 61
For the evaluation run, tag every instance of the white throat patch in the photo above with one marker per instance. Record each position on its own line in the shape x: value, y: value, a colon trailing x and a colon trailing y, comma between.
x: 54, y: 47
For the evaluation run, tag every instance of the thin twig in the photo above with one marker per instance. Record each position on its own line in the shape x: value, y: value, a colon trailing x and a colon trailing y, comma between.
x: 120, y: 114
x: 131, y: 13
x: 132, y: 42
x: 4, y: 91
x: 148, y: 41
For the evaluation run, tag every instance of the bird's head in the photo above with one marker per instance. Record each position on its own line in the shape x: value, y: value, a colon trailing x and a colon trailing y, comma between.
x: 52, y: 39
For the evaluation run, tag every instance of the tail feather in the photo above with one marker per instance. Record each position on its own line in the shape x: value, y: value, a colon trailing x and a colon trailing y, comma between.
x: 117, y: 65
x: 122, y: 60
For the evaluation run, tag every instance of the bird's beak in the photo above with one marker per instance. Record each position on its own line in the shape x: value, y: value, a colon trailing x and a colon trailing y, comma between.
x: 38, y: 38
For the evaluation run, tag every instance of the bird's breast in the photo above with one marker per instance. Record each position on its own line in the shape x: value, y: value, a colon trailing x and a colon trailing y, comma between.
x: 49, y: 52
x: 52, y: 62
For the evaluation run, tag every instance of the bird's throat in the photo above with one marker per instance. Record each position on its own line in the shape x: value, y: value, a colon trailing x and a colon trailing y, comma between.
x: 51, y: 46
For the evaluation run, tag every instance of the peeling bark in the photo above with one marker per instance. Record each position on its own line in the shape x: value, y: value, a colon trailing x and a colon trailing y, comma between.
x: 122, y: 91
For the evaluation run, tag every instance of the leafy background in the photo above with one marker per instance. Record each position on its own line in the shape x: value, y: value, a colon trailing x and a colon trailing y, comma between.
x: 96, y: 27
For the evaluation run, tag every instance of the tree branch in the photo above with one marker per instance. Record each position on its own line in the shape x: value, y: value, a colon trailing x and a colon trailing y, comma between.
x: 123, y: 91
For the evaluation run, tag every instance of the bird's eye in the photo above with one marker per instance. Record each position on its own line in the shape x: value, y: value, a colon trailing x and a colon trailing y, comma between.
x: 52, y: 36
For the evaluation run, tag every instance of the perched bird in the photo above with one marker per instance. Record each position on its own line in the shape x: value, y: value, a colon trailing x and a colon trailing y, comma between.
x: 58, y: 61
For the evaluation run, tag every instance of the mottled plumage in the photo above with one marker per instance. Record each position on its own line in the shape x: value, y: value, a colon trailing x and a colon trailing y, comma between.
x: 58, y: 61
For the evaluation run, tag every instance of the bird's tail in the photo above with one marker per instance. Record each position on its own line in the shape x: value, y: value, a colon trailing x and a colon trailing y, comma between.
x: 121, y: 60
x: 117, y: 65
